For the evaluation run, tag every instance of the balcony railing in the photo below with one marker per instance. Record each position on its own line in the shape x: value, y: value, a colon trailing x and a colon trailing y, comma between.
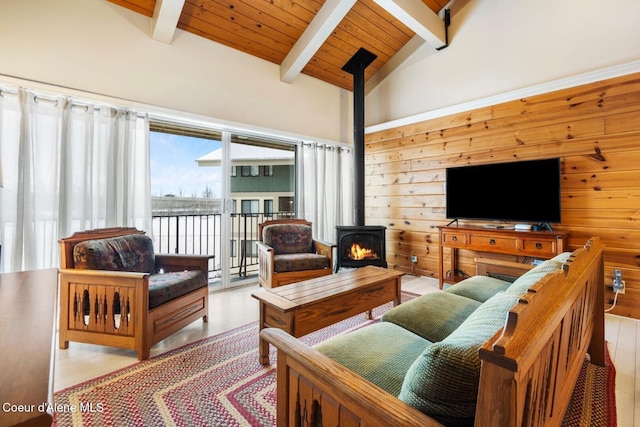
x: 200, y: 234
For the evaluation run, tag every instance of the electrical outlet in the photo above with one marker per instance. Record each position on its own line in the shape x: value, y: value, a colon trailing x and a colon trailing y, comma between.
x: 414, y: 258
x: 621, y: 287
x: 618, y: 283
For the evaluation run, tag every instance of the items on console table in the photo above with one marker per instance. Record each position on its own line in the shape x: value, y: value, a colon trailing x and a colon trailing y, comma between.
x: 27, y: 330
x: 539, y: 244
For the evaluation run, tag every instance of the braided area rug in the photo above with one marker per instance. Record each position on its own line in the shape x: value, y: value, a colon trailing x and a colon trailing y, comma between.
x: 216, y: 381
x: 593, y: 403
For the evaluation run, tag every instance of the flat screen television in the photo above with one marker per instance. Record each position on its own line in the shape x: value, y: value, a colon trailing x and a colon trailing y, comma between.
x: 521, y: 191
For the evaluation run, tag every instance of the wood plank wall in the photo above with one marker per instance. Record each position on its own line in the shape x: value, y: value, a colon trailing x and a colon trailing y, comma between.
x: 593, y: 128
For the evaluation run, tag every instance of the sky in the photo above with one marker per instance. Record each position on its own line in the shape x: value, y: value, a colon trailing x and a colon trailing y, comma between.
x: 174, y: 169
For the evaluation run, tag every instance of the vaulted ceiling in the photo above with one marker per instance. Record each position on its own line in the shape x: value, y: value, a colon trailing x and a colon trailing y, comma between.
x: 313, y: 37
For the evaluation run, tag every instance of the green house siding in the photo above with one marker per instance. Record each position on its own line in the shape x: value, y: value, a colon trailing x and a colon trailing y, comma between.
x: 282, y: 180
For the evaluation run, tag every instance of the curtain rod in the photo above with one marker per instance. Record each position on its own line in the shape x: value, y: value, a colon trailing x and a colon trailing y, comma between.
x: 38, y: 97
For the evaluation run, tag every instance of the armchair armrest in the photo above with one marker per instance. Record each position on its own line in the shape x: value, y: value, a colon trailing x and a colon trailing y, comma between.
x: 484, y: 266
x: 324, y: 248
x: 174, y: 262
x: 317, y: 374
x: 265, y: 264
x: 100, y: 274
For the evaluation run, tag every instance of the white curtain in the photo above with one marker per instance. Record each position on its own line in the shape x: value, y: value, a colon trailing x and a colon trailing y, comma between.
x: 326, y: 183
x: 67, y: 166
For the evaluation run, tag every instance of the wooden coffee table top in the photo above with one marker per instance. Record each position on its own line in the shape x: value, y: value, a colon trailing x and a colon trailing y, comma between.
x: 297, y: 295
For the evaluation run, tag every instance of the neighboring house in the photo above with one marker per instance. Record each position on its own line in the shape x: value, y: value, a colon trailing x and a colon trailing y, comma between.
x: 262, y: 187
x: 262, y: 178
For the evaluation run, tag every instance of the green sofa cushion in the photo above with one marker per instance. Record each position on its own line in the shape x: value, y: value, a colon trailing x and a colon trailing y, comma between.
x: 479, y: 288
x: 381, y: 353
x: 433, y: 316
x: 443, y: 380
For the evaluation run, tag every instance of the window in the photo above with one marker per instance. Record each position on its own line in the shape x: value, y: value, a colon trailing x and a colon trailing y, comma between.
x: 268, y: 207
x: 250, y: 248
x: 250, y: 170
x: 249, y: 206
x: 268, y: 170
x: 176, y: 165
x: 285, y: 204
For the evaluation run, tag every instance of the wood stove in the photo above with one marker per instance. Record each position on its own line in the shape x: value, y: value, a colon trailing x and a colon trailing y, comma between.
x: 359, y: 246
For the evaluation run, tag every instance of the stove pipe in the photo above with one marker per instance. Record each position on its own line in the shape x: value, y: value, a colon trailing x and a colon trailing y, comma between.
x: 356, y: 66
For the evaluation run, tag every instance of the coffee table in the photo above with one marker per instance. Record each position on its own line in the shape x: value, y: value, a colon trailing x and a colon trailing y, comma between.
x: 307, y: 306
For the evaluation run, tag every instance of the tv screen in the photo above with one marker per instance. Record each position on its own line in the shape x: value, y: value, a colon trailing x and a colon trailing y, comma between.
x: 524, y: 191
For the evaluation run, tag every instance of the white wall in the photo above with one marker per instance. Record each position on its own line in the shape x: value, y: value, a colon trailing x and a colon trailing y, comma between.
x: 97, y: 47
x: 499, y: 46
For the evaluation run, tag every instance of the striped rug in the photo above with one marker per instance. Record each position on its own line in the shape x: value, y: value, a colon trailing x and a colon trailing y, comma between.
x: 593, y: 403
x: 218, y: 381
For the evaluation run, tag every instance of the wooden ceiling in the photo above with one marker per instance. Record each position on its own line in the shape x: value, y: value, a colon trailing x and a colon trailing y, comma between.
x: 314, y: 37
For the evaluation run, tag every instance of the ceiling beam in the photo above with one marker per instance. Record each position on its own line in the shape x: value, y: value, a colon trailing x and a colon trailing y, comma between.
x: 319, y: 29
x: 414, y: 45
x: 165, y: 19
x: 419, y: 18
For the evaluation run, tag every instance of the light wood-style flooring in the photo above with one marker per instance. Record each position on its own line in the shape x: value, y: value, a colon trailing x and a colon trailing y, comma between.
x: 233, y: 308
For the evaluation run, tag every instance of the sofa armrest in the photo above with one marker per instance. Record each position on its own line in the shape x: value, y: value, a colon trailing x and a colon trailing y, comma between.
x: 337, y: 390
x: 174, y: 262
x: 484, y: 266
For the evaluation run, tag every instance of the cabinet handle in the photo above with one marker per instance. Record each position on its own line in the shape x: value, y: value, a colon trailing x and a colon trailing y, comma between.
x: 454, y: 238
x: 492, y: 241
x: 538, y: 245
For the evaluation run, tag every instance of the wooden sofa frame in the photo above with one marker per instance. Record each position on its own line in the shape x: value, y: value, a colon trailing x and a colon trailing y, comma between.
x: 136, y: 327
x: 269, y: 278
x: 528, y: 369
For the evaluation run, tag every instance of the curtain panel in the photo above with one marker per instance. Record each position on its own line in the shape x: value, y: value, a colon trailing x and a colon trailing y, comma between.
x: 326, y: 183
x: 67, y: 166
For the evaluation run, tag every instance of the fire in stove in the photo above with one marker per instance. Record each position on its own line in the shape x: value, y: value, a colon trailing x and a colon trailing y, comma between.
x: 361, y: 253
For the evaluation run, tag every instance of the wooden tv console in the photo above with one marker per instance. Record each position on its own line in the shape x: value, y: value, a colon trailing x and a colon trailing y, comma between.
x: 539, y: 244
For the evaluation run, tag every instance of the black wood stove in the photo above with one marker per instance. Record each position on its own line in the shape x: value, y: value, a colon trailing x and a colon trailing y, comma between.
x: 360, y: 245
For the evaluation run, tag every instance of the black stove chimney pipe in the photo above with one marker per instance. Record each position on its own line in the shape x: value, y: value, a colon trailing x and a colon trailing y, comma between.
x: 356, y: 66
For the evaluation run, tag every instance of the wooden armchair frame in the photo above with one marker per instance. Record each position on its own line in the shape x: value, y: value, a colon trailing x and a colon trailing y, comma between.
x: 135, y: 327
x: 269, y: 278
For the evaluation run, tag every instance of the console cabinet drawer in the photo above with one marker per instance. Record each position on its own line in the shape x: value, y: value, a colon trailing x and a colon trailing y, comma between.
x: 539, y: 247
x: 493, y: 243
x: 454, y: 239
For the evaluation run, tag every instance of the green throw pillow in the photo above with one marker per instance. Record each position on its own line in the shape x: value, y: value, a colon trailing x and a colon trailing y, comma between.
x: 443, y: 381
x: 524, y: 282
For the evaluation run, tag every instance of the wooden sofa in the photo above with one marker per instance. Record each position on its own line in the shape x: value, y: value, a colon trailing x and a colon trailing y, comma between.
x: 287, y: 253
x: 527, y: 373
x: 115, y: 308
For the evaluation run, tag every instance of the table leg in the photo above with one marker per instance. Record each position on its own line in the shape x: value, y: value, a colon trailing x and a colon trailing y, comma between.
x: 263, y: 345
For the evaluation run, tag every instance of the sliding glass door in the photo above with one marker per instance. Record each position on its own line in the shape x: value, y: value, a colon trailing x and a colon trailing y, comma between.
x: 210, y: 190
